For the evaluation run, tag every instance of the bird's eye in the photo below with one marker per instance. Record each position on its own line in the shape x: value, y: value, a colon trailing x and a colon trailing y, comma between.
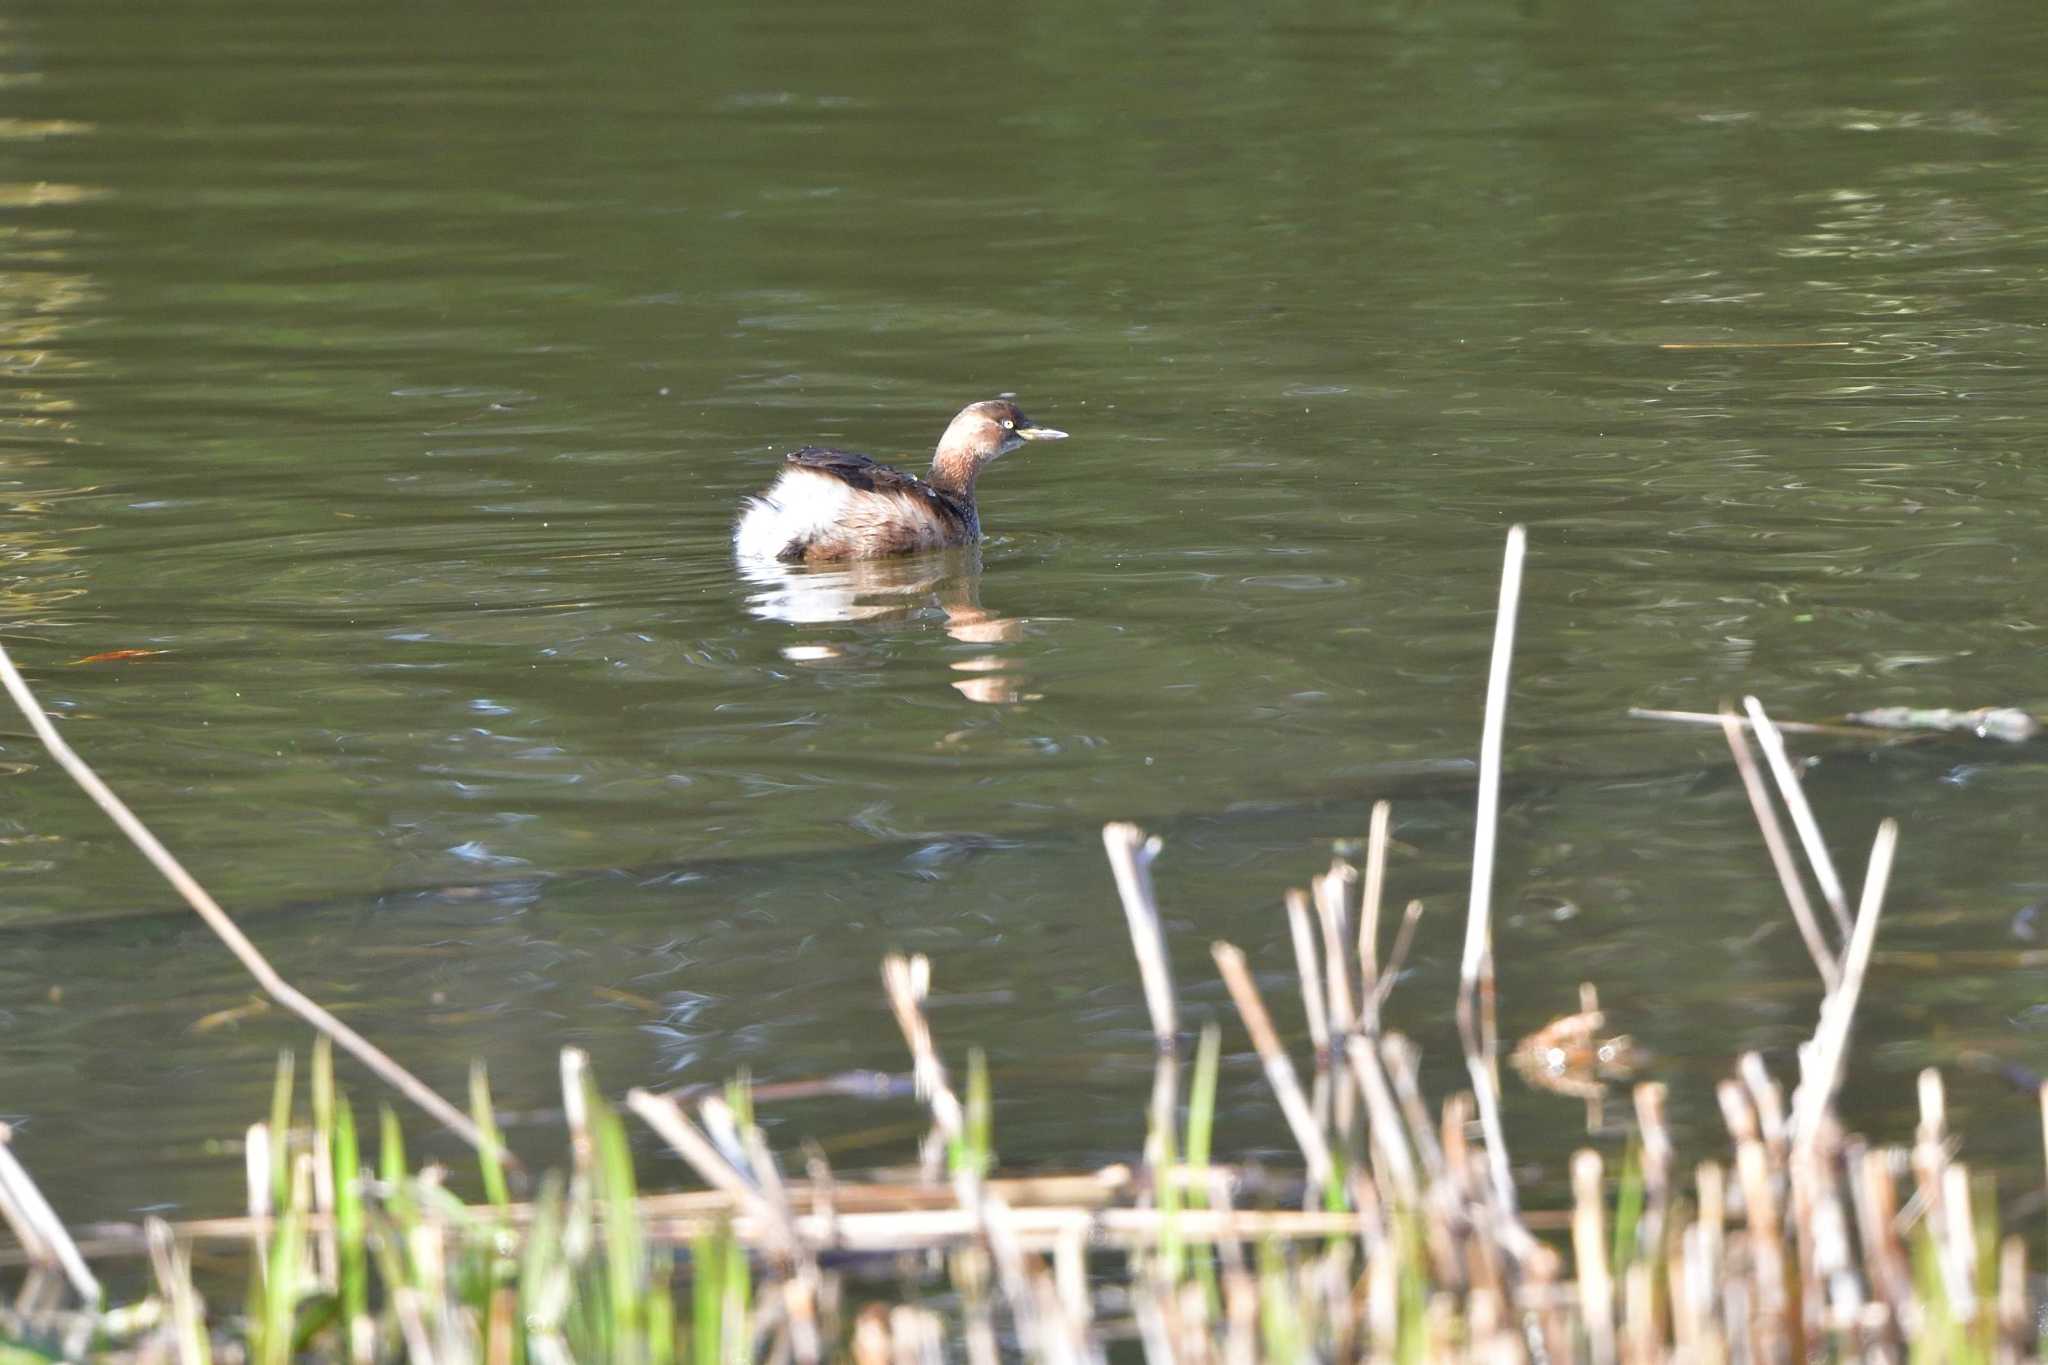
x: 1008, y: 425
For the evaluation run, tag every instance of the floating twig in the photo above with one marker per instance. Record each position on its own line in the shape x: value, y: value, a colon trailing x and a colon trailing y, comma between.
x: 223, y: 926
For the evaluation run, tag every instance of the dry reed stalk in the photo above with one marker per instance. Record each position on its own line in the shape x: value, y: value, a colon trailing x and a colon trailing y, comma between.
x: 1371, y: 894
x: 871, y: 1344
x: 1829, y: 1285
x: 1710, y: 1191
x: 1244, y: 993
x: 1782, y: 863
x: 907, y: 980
x: 1331, y: 893
x: 1656, y: 1167
x: 1790, y: 727
x: 1403, y: 1062
x: 971, y: 1272
x: 1958, y: 1239
x: 1404, y: 939
x: 673, y: 1126
x: 920, y: 1337
x: 1641, y: 1339
x: 575, y: 1073
x: 1475, y: 973
x: 1769, y: 1100
x: 1386, y: 1130
x: 36, y: 1225
x: 1738, y: 1112
x: 223, y: 925
x: 1765, y: 1244
x: 1875, y: 1200
x: 1543, y: 1274
x: 1130, y: 862
x: 172, y: 1266
x: 2013, y: 1321
x: 1772, y: 741
x: 1589, y: 1250
x: 258, y: 1155
x: 1822, y: 1060
x: 1312, y: 1003
x: 1687, y: 1332
x: 1014, y: 1278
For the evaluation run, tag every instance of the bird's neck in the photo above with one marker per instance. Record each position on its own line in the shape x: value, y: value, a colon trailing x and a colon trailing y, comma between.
x: 953, y: 471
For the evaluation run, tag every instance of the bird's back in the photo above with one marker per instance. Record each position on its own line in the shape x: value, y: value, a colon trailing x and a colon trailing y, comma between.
x: 840, y: 504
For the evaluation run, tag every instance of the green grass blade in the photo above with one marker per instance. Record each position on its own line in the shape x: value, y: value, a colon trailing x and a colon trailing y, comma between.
x: 281, y: 1131
x: 490, y: 1151
x: 707, y: 1298
x: 354, y: 1287
x: 1628, y: 1209
x: 625, y: 1249
x: 1202, y: 1095
x: 660, y: 1311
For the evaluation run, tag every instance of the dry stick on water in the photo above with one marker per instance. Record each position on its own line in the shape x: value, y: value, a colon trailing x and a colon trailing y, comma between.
x: 1475, y: 976
x: 1781, y: 852
x: 224, y: 927
x: 1772, y: 742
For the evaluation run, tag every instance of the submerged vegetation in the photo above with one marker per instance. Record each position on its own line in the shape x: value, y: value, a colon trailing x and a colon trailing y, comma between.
x: 1401, y: 1235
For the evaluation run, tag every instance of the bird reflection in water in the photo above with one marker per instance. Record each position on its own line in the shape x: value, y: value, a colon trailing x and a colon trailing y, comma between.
x: 893, y: 590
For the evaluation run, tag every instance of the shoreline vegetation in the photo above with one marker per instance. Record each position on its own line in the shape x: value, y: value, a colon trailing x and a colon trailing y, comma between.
x: 1400, y: 1235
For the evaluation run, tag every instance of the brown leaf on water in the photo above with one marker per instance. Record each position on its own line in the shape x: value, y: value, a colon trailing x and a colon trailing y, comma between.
x: 114, y: 656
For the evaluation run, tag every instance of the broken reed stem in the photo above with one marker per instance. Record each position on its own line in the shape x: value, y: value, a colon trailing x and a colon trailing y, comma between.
x: 1823, y: 1072
x: 905, y: 979
x: 1130, y: 861
x: 1781, y: 852
x: 1589, y: 1249
x: 1475, y: 973
x: 1404, y: 939
x: 1312, y: 1003
x: 1279, y: 1070
x: 1385, y: 1127
x: 1772, y: 742
x: 1790, y: 727
x: 668, y: 1120
x: 1478, y: 923
x: 36, y: 1225
x: 1369, y: 915
x: 224, y: 926
x: 1332, y: 900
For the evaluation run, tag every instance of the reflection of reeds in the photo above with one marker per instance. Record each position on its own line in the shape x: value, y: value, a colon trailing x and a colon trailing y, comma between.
x: 1402, y: 1239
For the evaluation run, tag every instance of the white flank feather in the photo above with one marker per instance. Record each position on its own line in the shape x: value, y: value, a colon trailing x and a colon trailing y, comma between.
x: 801, y: 505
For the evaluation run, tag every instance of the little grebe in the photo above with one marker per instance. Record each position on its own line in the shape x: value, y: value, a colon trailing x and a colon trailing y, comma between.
x: 835, y: 505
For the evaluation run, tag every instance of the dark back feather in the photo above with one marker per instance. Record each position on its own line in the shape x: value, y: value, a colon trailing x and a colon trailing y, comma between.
x: 872, y: 476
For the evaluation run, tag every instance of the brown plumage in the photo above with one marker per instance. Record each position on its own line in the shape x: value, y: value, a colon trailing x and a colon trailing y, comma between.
x: 837, y: 505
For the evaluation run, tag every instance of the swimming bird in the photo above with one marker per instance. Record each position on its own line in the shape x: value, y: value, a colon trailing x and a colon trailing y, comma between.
x: 836, y: 505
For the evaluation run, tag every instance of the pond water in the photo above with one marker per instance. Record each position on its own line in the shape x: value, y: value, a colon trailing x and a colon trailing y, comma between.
x: 395, y: 371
